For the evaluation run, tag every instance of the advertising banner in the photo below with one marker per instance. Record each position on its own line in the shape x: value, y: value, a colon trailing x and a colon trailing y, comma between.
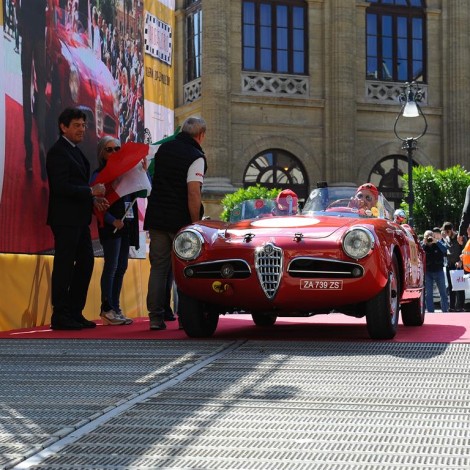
x: 159, y: 28
x: 111, y: 58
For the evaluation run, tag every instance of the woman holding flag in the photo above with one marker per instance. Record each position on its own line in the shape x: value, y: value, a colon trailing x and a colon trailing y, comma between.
x: 118, y: 230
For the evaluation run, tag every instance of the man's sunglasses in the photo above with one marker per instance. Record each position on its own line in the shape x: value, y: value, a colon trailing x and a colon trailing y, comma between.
x: 361, y: 196
x: 112, y: 149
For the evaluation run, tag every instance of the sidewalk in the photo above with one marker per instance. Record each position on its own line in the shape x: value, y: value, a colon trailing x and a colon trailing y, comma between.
x: 247, y: 404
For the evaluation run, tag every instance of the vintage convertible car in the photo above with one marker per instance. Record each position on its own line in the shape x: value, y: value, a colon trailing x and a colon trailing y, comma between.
x: 329, y: 258
x: 78, y: 78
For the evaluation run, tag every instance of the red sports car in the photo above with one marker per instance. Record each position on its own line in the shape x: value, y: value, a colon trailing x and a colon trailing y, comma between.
x: 79, y: 78
x: 331, y: 257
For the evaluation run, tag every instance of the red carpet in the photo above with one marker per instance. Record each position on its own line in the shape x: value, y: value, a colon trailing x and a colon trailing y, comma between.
x: 23, y: 204
x: 438, y: 328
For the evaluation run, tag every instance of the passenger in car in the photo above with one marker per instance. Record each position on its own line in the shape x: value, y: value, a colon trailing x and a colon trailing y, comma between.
x: 287, y: 203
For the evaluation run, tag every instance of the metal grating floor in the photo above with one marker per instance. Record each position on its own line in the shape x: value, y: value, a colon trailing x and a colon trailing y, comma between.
x: 234, y: 405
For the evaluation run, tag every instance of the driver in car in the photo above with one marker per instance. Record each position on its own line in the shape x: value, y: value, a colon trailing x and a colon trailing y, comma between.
x: 366, y: 198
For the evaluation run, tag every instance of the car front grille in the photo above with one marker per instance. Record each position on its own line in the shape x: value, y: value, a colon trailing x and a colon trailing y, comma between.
x: 268, y: 263
x: 214, y: 269
x: 314, y: 268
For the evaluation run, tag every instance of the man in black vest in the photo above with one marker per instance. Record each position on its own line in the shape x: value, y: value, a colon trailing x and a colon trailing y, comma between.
x: 175, y: 201
x: 70, y: 208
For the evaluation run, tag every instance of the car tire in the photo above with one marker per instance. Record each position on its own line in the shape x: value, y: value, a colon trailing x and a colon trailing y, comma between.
x: 264, y: 319
x: 382, y: 311
x: 197, y: 319
x: 412, y: 313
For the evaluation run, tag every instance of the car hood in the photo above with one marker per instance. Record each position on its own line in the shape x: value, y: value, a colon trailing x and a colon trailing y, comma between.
x: 91, y: 68
x: 307, y: 226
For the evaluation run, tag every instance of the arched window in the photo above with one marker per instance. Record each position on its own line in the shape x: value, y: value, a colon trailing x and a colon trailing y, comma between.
x: 277, y: 168
x: 387, y: 176
x: 396, y: 40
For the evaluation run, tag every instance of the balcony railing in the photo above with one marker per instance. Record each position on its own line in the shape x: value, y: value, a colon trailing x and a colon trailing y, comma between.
x: 388, y: 92
x: 274, y: 84
x: 192, y: 91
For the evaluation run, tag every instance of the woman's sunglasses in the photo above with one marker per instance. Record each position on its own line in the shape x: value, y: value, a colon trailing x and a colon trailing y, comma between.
x: 112, y: 149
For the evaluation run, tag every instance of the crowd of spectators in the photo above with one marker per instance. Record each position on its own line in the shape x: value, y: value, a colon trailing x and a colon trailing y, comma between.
x: 121, y: 52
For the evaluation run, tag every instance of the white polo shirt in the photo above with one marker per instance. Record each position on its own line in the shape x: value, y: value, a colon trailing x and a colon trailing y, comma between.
x: 196, y: 171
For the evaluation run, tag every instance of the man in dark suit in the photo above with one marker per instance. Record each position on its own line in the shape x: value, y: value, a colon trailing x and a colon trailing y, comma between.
x: 70, y: 208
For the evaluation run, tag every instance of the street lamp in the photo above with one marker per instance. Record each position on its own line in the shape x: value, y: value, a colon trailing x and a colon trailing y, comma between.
x: 410, y: 108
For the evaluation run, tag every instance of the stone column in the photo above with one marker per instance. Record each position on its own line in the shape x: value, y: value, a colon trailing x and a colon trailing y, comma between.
x: 456, y: 73
x: 340, y: 89
x: 216, y: 96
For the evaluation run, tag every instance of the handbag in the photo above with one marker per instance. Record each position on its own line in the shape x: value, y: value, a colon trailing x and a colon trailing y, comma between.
x: 458, y: 280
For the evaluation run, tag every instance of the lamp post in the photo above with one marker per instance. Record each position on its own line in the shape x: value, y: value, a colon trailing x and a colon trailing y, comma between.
x: 410, y: 108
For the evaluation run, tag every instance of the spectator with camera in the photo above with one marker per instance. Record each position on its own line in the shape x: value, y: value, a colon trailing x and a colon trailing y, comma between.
x: 435, y: 258
x: 454, y: 250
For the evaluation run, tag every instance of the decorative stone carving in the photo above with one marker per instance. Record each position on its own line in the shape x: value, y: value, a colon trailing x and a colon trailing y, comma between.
x: 274, y: 84
x: 192, y: 91
x: 388, y: 92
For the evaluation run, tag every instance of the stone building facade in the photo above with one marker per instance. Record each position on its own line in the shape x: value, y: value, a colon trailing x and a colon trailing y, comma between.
x: 335, y: 120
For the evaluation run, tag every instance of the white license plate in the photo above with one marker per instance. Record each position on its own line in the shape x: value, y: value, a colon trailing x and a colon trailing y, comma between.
x: 320, y: 284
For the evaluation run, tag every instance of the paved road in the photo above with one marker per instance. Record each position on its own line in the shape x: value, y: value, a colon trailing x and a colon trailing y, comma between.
x: 81, y: 404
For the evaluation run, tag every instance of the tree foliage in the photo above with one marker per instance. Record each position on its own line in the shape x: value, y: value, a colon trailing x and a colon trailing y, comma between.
x: 252, y: 192
x: 439, y: 196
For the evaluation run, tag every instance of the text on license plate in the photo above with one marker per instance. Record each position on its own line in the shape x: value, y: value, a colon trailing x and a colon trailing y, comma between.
x: 319, y: 284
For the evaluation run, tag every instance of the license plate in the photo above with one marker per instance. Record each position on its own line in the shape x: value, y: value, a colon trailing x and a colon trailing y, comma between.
x: 319, y: 284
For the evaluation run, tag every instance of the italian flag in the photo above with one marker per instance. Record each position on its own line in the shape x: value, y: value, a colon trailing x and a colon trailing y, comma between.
x: 125, y: 172
x: 129, y: 171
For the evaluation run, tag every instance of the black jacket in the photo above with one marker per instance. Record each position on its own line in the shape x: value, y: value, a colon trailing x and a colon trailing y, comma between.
x: 454, y: 250
x: 167, y: 207
x: 435, y: 256
x: 70, y: 199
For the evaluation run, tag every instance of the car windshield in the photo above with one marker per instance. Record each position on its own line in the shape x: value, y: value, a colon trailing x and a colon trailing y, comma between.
x: 260, y: 208
x: 341, y: 201
x: 334, y: 201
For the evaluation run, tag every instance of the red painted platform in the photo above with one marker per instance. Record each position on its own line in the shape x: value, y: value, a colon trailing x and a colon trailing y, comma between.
x: 438, y: 328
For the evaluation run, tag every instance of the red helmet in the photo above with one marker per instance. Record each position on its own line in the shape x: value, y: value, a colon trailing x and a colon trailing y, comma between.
x: 286, y: 200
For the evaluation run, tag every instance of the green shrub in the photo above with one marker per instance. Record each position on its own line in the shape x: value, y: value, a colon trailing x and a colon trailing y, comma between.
x: 439, y: 196
x: 252, y: 192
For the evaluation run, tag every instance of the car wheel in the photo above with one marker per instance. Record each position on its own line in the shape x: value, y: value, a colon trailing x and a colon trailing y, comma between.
x: 382, y: 311
x: 412, y: 314
x: 197, y: 319
x: 264, y: 319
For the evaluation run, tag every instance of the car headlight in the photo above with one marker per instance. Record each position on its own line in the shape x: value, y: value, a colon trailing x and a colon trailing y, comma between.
x: 358, y: 243
x: 188, y: 244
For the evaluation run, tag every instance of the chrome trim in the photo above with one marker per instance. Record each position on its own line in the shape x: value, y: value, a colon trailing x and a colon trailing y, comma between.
x: 198, y: 235
x: 269, y: 261
x: 360, y: 229
x: 216, y: 271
